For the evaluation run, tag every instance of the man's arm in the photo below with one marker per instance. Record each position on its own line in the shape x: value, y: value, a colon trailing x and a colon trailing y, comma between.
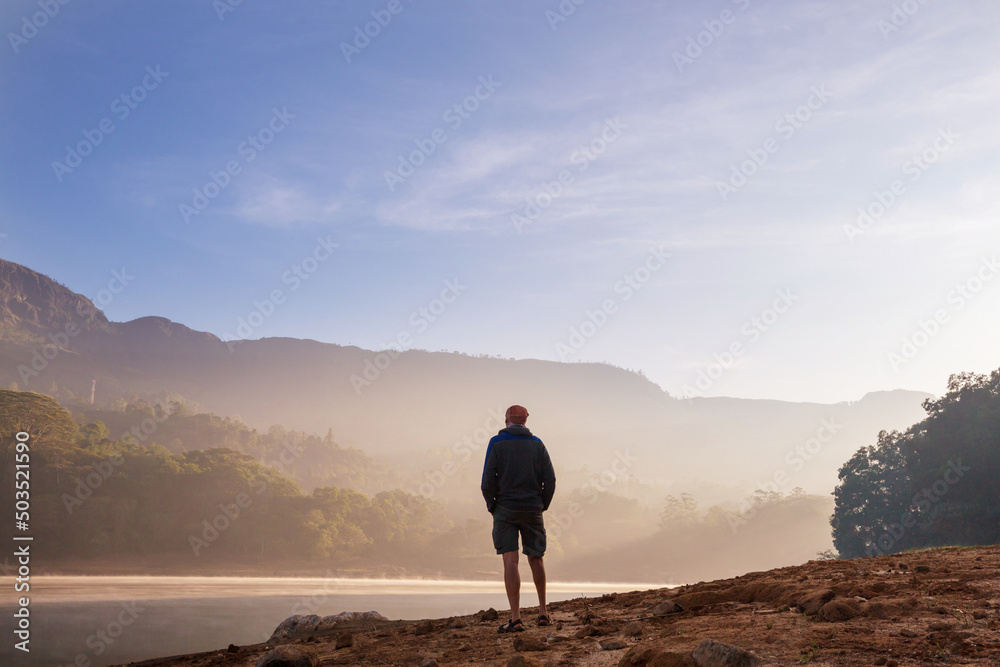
x: 548, y: 478
x: 489, y: 484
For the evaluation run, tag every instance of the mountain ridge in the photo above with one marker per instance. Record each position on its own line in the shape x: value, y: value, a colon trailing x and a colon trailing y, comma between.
x: 417, y: 400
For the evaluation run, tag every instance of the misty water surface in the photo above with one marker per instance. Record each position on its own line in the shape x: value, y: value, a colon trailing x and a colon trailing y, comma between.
x: 115, y: 619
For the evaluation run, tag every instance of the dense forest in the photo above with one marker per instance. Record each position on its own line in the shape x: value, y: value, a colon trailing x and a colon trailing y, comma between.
x: 95, y: 496
x: 937, y: 483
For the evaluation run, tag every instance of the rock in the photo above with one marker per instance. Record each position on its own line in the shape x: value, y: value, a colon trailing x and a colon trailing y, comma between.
x: 939, y: 627
x: 233, y: 648
x: 294, y: 626
x: 702, y: 599
x: 909, y: 634
x: 345, y: 640
x: 553, y: 638
x: 521, y: 661
x: 839, y: 610
x: 639, y: 656
x: 429, y: 662
x: 811, y: 602
x: 711, y: 653
x: 876, y: 610
x: 923, y: 569
x: 300, y: 626
x: 459, y: 623
x: 354, y: 616
x: 287, y: 656
x: 585, y: 631
x: 488, y: 615
x: 423, y: 628
x: 525, y: 644
x: 633, y: 629
x: 666, y: 607
x: 881, y: 660
x: 613, y: 645
x: 979, y: 614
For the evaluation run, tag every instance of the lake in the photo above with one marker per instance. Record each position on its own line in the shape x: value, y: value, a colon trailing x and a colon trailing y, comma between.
x: 90, y: 621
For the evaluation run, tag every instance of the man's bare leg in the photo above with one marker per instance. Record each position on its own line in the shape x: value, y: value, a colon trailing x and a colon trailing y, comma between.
x: 538, y: 575
x: 512, y: 581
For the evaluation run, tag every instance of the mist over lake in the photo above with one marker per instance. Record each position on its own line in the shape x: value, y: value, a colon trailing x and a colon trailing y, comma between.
x: 111, y: 619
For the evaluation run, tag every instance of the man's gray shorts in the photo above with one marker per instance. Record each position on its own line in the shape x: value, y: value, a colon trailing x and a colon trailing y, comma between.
x: 507, y: 524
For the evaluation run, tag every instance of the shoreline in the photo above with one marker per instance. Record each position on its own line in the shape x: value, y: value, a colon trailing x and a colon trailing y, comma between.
x: 903, y: 610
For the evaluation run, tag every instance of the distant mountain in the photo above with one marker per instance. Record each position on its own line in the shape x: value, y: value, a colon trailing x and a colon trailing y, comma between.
x: 589, y: 414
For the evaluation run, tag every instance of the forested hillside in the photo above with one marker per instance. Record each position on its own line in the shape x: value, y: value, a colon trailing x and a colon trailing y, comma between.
x: 97, y: 496
x: 937, y: 483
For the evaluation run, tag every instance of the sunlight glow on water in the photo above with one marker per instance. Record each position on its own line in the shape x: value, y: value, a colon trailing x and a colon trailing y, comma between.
x: 56, y: 588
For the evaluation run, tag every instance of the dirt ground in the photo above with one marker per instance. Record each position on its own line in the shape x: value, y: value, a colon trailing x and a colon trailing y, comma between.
x: 933, y: 607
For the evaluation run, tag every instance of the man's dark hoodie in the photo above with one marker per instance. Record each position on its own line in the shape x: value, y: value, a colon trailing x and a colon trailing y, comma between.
x: 518, y: 474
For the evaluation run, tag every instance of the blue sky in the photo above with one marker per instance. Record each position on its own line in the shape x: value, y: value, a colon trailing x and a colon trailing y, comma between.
x: 642, y: 109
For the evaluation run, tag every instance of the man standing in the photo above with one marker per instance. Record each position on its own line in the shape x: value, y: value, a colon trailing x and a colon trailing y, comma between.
x: 518, y: 484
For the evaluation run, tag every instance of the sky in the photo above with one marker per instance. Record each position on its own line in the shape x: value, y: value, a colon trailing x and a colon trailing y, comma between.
x: 783, y: 200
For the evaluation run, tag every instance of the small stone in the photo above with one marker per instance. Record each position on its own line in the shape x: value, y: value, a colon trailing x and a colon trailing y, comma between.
x: 423, y: 628
x: 909, y: 634
x: 892, y: 663
x: 939, y: 627
x: 233, y: 648
x: 922, y: 569
x: 711, y: 653
x: 585, y: 631
x: 429, y: 662
x: 459, y: 623
x: 881, y: 660
x: 553, y: 638
x: 488, y: 615
x: 903, y: 566
x: 287, y: 656
x: 525, y: 644
x: 613, y: 645
x: 633, y: 629
x: 345, y: 640
x: 979, y: 614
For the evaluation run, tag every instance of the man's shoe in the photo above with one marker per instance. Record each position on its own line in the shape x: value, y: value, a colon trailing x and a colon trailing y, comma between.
x: 543, y: 620
x: 511, y: 626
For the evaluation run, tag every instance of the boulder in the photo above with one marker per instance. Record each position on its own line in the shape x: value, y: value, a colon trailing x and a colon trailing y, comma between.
x: 287, y: 656
x: 839, y: 610
x: 300, y: 626
x: 666, y: 607
x: 711, y: 653
x: 294, y: 626
x: 812, y: 601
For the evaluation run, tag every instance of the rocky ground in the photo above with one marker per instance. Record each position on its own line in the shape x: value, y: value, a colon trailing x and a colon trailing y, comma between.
x: 935, y: 607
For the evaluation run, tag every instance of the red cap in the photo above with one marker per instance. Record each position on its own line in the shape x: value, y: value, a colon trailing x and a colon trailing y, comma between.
x: 516, y: 415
